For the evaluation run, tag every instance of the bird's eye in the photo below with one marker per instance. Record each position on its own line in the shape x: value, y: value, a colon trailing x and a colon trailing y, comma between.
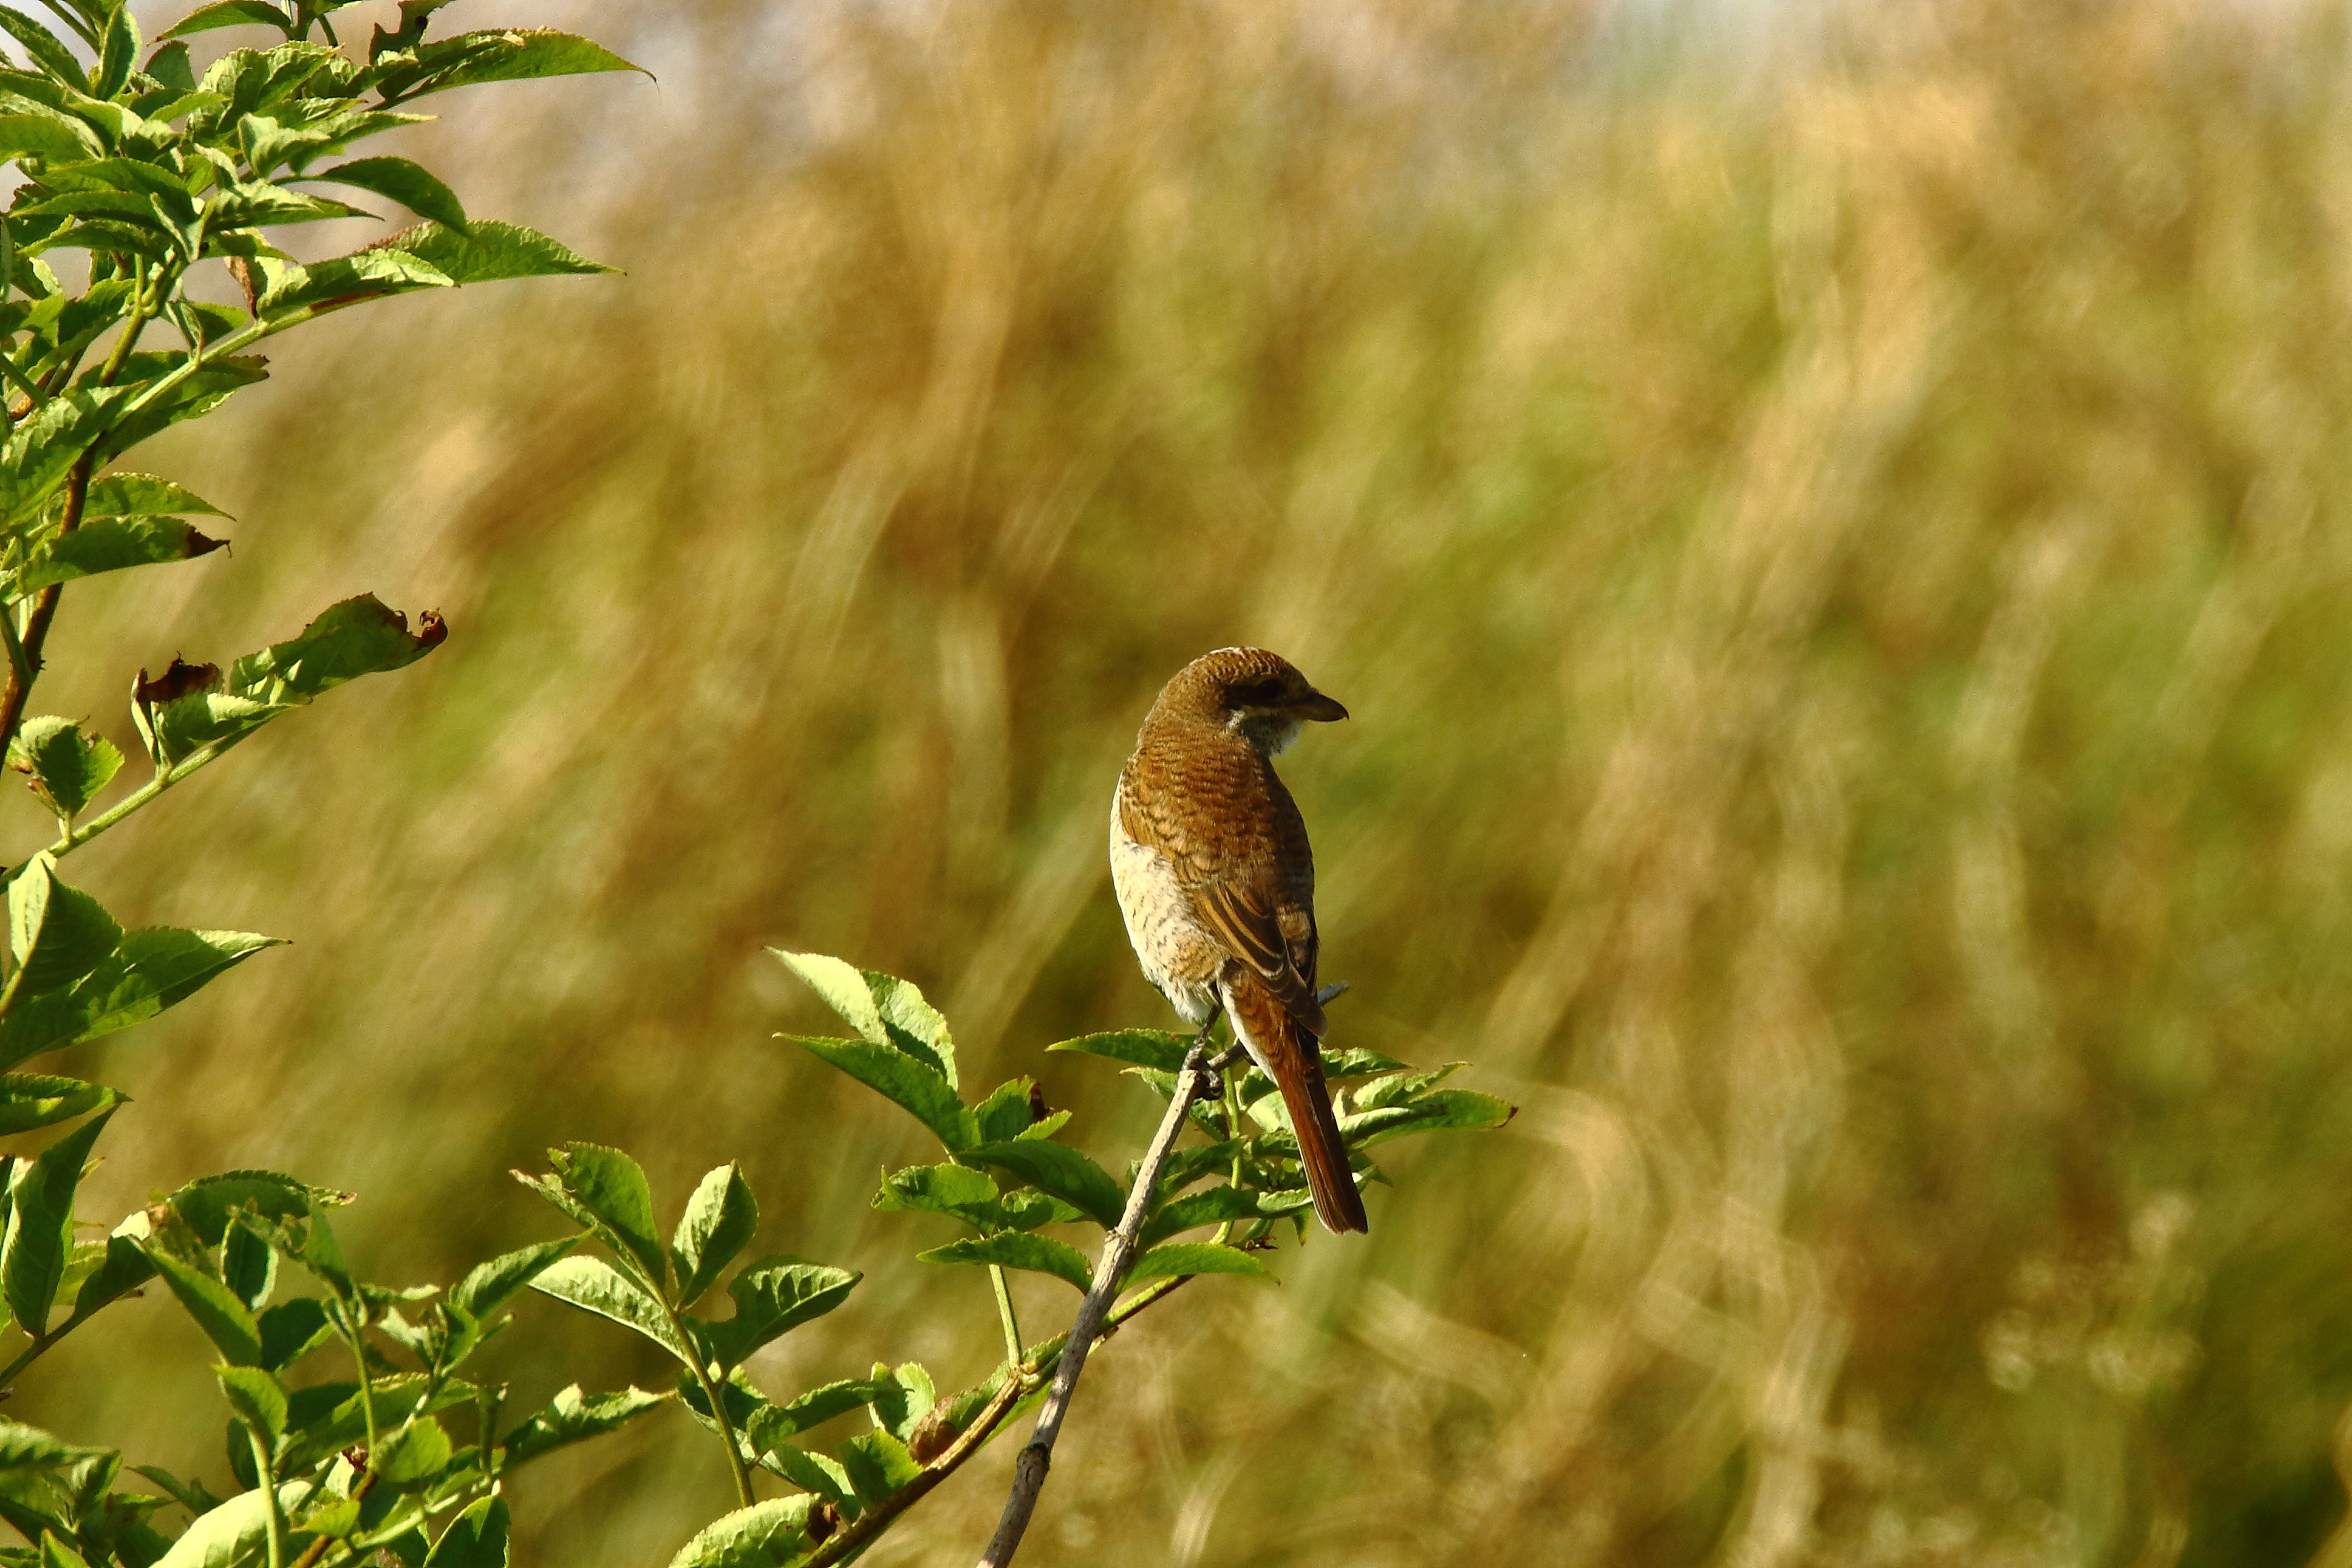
x: 1263, y: 694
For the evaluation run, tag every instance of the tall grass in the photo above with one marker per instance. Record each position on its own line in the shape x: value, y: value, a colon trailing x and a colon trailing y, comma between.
x: 1840, y: 568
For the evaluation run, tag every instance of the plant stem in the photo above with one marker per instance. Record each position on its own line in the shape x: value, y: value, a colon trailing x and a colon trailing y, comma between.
x: 1004, y: 1311
x: 872, y: 1522
x: 713, y: 1392
x: 276, y: 1520
x: 1037, y: 1456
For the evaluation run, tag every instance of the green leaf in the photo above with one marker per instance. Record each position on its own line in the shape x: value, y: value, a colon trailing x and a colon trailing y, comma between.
x: 719, y: 1223
x: 150, y: 970
x: 772, y: 1297
x: 513, y: 54
x: 55, y: 1554
x: 1401, y: 1087
x: 30, y: 1099
x: 288, y: 286
x: 1141, y: 1048
x: 608, y: 1192
x: 169, y: 65
x: 1029, y: 1209
x: 878, y: 1464
x: 234, y: 1535
x: 477, y: 1538
x: 882, y: 1008
x: 1358, y: 1063
x: 957, y: 1191
x: 413, y: 1455
x: 143, y: 495
x: 902, y: 1399
x: 58, y: 934
x: 226, y: 1321
x: 250, y: 1265
x: 292, y: 1329
x: 774, y: 1423
x: 44, y: 136
x: 1187, y: 1257
x: 229, y: 14
x: 1058, y: 1169
x: 117, y: 49
x: 489, y: 252
x: 411, y: 184
x: 812, y: 1472
x: 1448, y: 1109
x: 51, y: 56
x: 209, y: 1204
x: 1216, y: 1206
x: 1005, y: 1113
x: 575, y: 1418
x: 912, y: 1085
x: 492, y: 1285
x: 111, y: 544
x: 41, y: 450
x: 41, y: 1224
x: 1015, y: 1250
x: 771, y: 1534
x: 124, y: 1268
x: 594, y: 1286
x: 68, y: 763
x: 257, y: 1398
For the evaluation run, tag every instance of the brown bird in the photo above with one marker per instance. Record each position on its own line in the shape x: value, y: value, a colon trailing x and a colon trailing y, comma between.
x: 1210, y: 858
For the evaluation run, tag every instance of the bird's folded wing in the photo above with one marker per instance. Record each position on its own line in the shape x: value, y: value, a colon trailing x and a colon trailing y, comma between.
x: 1253, y: 933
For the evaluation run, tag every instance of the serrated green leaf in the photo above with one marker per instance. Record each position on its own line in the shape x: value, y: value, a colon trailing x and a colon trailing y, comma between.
x: 812, y: 1473
x: 1028, y: 1209
x: 510, y: 54
x: 902, y: 1399
x: 31, y: 1099
x: 250, y: 1265
x: 50, y: 55
x: 1141, y: 1048
x: 490, y: 252
x: 111, y: 544
x: 771, y: 1534
x: 719, y: 1223
x: 41, y: 1224
x: 149, y: 971
x: 228, y: 14
x: 1016, y: 1249
x: 611, y: 1191
x: 912, y: 1085
x: 1178, y: 1258
x: 69, y: 765
x: 956, y: 1191
x: 44, y: 136
x: 413, y: 1455
x: 256, y: 1398
x: 169, y: 65
x: 55, y: 1554
x: 773, y: 1296
x: 413, y: 185
x: 882, y: 1008
x: 480, y: 1537
x: 143, y: 495
x: 1447, y: 1110
x: 1215, y: 1207
x: 124, y: 1268
x: 375, y: 274
x: 1401, y: 1087
x: 878, y: 1465
x: 774, y: 1423
x: 490, y: 1286
x: 594, y: 1286
x: 1060, y: 1170
x: 226, y: 1321
x: 58, y: 934
x: 1358, y: 1063
x: 573, y: 1416
x: 209, y: 1204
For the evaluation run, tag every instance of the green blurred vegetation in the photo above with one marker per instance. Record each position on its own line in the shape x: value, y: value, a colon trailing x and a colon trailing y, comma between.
x: 1835, y: 563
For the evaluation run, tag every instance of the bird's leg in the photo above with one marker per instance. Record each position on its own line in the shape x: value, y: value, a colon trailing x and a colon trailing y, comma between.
x: 1213, y: 1086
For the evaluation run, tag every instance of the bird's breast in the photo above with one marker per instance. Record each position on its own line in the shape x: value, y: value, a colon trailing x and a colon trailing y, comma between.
x: 1177, y: 956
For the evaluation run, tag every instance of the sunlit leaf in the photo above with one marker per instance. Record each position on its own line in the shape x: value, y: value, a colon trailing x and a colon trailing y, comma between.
x: 719, y: 1223
x: 1016, y: 1249
x: 492, y: 1285
x: 772, y: 1297
x: 256, y: 1398
x: 229, y: 14
x: 57, y: 934
x: 1058, y: 1169
x: 878, y: 1464
x: 882, y: 1008
x: 111, y: 544
x: 40, y: 1223
x: 411, y: 184
x: 68, y: 763
x: 770, y: 1534
x: 412, y: 1455
x: 902, y: 1399
x: 594, y: 1286
x: 480, y: 1537
x: 912, y: 1085
x: 1185, y: 1258
x: 513, y: 54
x: 957, y: 1191
x: 226, y: 1321
x: 1141, y: 1048
x: 489, y: 252
x: 573, y: 1416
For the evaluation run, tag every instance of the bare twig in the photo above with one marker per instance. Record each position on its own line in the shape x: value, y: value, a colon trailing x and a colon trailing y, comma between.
x: 1037, y: 1455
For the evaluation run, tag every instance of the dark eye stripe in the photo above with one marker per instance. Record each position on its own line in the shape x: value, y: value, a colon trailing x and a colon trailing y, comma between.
x: 1262, y: 694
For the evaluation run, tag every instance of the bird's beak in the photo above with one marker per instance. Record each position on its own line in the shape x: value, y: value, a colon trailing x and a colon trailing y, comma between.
x: 1318, y: 707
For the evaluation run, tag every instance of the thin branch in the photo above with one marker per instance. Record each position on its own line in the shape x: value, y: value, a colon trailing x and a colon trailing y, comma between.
x: 875, y: 1519
x: 1037, y: 1456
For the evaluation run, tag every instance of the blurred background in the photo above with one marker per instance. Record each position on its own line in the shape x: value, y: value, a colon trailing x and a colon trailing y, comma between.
x: 1828, y: 522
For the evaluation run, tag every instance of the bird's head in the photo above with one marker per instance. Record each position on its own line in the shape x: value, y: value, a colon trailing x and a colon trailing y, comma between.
x: 1257, y: 694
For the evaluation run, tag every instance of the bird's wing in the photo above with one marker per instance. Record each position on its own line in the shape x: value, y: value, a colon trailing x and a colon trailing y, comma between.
x: 1243, y: 899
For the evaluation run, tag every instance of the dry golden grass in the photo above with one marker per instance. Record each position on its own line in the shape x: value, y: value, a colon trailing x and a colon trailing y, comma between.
x: 1839, y: 567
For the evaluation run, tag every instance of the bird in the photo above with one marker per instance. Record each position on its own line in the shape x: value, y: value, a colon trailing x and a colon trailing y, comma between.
x: 1216, y: 883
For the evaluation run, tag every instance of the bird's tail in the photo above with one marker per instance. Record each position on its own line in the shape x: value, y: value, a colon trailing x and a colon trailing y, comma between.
x: 1293, y: 1056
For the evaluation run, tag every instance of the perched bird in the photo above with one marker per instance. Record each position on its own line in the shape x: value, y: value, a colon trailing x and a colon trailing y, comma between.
x: 1210, y: 858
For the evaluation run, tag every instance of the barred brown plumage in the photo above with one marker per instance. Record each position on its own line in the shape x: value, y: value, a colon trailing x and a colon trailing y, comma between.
x: 1216, y: 881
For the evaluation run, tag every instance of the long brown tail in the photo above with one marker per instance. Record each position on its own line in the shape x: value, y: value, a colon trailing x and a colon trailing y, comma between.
x: 1295, y: 1058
